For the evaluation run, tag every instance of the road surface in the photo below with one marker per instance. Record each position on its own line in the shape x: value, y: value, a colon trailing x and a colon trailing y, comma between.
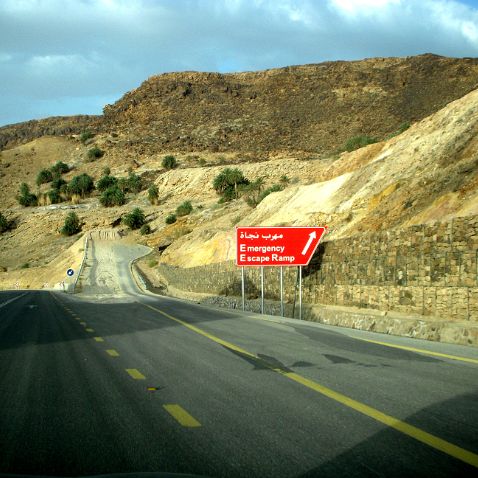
x: 141, y: 383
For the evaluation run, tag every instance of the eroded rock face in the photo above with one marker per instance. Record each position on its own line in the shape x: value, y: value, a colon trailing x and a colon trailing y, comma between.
x: 313, y: 108
x: 20, y: 133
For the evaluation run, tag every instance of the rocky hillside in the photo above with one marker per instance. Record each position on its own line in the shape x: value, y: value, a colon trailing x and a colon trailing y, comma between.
x: 427, y: 173
x: 311, y: 108
x: 21, y: 133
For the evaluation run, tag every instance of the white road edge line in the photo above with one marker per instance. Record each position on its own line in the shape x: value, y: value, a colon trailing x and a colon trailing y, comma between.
x: 11, y: 300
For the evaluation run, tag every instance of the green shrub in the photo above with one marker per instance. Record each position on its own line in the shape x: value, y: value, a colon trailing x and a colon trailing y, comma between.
x: 135, y: 185
x: 26, y: 198
x: 131, y: 184
x: 86, y: 135
x: 229, y: 182
x: 403, y: 127
x: 284, y: 180
x: 123, y: 184
x: 153, y: 263
x: 135, y: 219
x: 26, y: 265
x: 171, y: 219
x: 95, y: 153
x: 184, y: 209
x: 106, y: 182
x: 113, y: 196
x: 71, y: 225
x: 59, y: 168
x: 252, y: 191
x: 358, y: 142
x: 44, y: 176
x: 153, y: 194
x: 64, y: 189
x: 58, y: 183
x: 145, y: 229
x: 106, y: 171
x: 169, y: 162
x: 4, y: 224
x: 81, y: 184
x: 54, y: 196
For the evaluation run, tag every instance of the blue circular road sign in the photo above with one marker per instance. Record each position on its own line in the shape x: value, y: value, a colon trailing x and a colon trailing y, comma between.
x: 70, y: 272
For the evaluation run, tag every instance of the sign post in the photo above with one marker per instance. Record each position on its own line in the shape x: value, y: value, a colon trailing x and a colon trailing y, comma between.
x: 243, y: 290
x: 262, y: 289
x: 281, y: 291
x: 276, y: 246
x: 300, y: 292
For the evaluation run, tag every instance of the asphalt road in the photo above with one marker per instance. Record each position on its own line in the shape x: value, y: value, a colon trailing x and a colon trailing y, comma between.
x: 147, y: 383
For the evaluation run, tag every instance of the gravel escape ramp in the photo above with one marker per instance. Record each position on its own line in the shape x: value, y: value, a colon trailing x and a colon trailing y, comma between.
x: 106, y: 274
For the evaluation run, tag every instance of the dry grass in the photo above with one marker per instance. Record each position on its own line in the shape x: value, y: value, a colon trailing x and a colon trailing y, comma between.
x: 75, y: 199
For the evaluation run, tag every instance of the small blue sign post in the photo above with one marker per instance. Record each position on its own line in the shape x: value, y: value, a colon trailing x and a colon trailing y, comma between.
x: 70, y: 272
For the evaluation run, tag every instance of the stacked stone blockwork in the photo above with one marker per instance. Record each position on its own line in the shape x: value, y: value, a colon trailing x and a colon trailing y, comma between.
x: 428, y: 270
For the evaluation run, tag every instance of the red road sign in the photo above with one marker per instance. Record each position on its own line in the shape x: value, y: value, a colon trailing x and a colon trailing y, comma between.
x: 276, y: 246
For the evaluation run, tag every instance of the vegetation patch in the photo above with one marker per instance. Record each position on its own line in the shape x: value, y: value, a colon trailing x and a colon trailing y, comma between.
x: 25, y: 197
x: 358, y: 142
x: 113, y: 196
x: 169, y: 162
x: 153, y: 194
x: 95, y: 153
x: 171, y: 219
x: 54, y: 196
x: 59, y: 168
x: 58, y: 183
x: 184, y: 209
x: 81, y: 185
x: 134, y: 183
x: 71, y: 226
x: 135, y: 219
x: 44, y: 176
x: 4, y: 224
x: 86, y: 135
x: 106, y: 182
x: 145, y: 229
x: 229, y: 183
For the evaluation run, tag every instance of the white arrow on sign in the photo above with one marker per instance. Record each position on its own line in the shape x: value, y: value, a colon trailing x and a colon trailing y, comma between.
x: 312, y: 236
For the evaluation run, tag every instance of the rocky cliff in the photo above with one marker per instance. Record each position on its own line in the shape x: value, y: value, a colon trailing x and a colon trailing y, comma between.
x: 312, y: 108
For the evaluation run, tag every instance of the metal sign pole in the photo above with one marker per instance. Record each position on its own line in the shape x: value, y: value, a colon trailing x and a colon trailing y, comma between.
x: 300, y: 292
x: 243, y: 291
x: 262, y: 289
x: 281, y: 291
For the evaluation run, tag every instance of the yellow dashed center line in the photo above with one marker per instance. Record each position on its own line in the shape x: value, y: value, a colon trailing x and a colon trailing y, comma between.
x: 83, y: 323
x: 99, y: 339
x: 89, y: 330
x: 136, y: 374
x: 403, y: 427
x: 112, y: 353
x: 420, y: 351
x: 182, y: 416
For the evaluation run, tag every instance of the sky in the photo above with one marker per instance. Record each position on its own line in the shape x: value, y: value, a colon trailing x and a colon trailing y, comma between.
x: 65, y: 57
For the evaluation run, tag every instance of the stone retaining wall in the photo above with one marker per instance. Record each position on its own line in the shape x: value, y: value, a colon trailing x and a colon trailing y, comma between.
x: 427, y: 270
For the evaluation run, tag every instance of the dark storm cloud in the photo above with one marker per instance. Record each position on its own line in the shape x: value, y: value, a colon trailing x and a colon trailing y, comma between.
x: 68, y: 57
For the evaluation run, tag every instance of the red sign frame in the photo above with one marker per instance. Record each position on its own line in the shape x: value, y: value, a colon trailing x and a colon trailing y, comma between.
x: 277, y: 246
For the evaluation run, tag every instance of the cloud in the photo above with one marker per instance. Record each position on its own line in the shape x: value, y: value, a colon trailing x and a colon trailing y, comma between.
x: 52, y: 51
